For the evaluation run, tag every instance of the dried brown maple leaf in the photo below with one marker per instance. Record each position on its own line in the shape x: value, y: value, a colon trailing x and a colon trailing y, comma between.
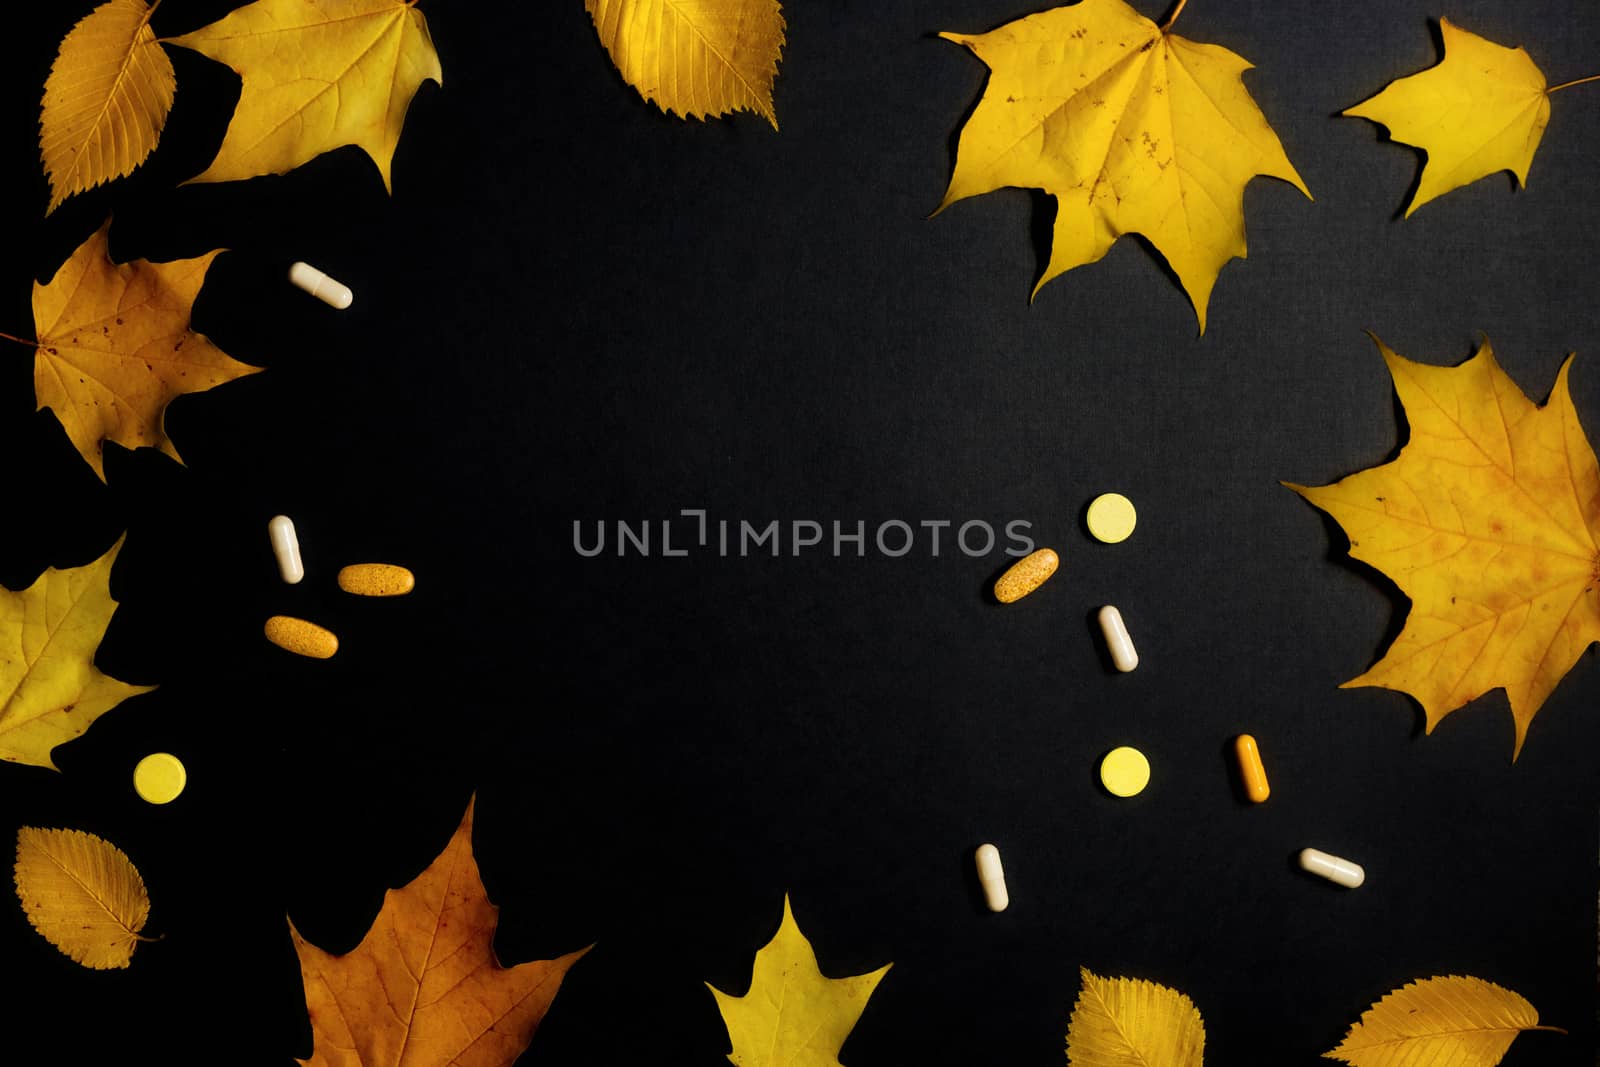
x: 424, y: 986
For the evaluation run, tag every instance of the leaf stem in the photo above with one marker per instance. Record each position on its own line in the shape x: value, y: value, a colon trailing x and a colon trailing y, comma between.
x: 1570, y: 84
x: 1167, y: 25
x: 18, y: 340
x: 1552, y: 1029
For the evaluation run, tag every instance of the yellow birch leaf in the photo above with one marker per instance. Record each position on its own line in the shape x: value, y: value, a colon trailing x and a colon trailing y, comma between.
x: 424, y: 986
x: 1130, y: 1022
x: 82, y: 894
x: 793, y: 1016
x: 115, y: 347
x: 1454, y: 1021
x: 1131, y: 128
x: 1483, y: 109
x: 105, y: 101
x: 317, y: 75
x: 699, y: 58
x: 1488, y: 521
x: 50, y: 689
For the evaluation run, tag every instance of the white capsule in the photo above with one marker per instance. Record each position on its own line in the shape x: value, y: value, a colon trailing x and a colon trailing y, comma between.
x: 286, y: 546
x: 1334, y: 868
x: 1118, y: 642
x: 993, y: 878
x: 334, y: 294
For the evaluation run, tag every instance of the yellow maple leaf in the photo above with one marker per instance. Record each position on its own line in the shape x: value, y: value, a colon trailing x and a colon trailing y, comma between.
x: 106, y: 99
x: 316, y: 76
x: 1488, y: 521
x: 793, y: 1016
x: 82, y: 894
x: 426, y: 979
x: 50, y: 689
x: 1481, y: 110
x: 115, y: 347
x: 1133, y: 1022
x: 1454, y: 1021
x: 700, y: 58
x: 1131, y: 128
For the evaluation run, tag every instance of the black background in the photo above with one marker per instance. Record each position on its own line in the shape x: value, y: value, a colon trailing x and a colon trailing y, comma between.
x: 575, y: 308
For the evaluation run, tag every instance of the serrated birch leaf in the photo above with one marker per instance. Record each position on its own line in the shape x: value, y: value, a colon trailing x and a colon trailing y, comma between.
x: 316, y: 75
x: 793, y: 1015
x: 115, y: 347
x: 1131, y: 1022
x: 105, y: 101
x: 1131, y: 128
x: 698, y: 58
x: 50, y: 689
x: 1454, y: 1021
x: 82, y: 894
x: 1488, y: 521
x: 425, y: 980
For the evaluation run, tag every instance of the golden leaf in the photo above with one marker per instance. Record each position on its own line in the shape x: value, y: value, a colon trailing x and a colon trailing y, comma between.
x: 700, y: 58
x: 1129, y: 1022
x: 316, y: 76
x: 1454, y: 1021
x: 793, y: 1016
x: 82, y: 895
x: 1130, y: 128
x: 1482, y: 109
x: 50, y: 689
x: 105, y: 101
x: 115, y: 347
x: 1487, y: 521
x: 425, y: 978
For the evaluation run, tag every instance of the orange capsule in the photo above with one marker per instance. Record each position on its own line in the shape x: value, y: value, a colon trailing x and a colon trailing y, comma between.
x: 1251, y: 771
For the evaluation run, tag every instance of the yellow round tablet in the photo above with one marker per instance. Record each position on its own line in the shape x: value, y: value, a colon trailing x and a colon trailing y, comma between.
x: 1111, y: 518
x: 1125, y: 772
x: 160, y: 777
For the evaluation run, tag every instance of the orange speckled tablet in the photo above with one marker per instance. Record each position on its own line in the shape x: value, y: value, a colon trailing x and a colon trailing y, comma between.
x: 376, y: 579
x: 1026, y: 575
x: 301, y: 637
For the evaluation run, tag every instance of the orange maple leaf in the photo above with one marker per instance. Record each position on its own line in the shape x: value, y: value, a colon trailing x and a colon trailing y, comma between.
x: 1489, y: 521
x: 115, y: 347
x: 424, y: 986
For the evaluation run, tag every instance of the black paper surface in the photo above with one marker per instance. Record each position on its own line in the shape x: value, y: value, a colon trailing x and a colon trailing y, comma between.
x: 574, y: 312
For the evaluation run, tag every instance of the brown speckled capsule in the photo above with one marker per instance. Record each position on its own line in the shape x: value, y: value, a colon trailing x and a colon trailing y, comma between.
x: 1026, y: 575
x: 301, y: 637
x: 376, y: 579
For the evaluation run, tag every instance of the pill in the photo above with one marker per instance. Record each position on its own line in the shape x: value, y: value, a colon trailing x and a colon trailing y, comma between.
x: 286, y: 546
x: 376, y: 579
x: 159, y: 778
x: 1252, y: 772
x: 1124, y: 772
x: 1111, y: 518
x: 1118, y: 643
x: 992, y: 877
x: 1026, y: 575
x: 330, y: 292
x: 301, y: 637
x: 1334, y: 868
